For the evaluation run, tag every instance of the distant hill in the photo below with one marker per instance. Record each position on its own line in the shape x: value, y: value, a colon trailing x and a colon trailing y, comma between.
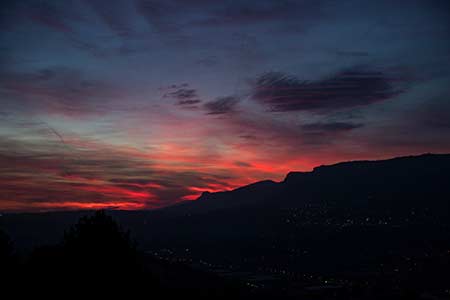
x: 421, y: 182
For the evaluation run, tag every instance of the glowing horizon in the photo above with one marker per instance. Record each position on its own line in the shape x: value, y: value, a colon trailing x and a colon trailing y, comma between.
x: 141, y: 105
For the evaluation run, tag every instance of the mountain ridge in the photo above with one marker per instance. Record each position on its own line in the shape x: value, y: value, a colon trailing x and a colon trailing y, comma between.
x: 394, y: 176
x: 334, y: 165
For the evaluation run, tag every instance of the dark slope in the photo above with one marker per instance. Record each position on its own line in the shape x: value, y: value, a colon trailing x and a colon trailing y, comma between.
x: 399, y: 184
x: 253, y: 194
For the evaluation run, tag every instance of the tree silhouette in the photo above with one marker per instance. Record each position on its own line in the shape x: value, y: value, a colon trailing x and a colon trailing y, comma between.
x: 8, y: 258
x: 98, y: 258
x: 100, y: 239
x: 96, y: 254
x: 9, y: 262
x: 6, y: 249
x: 98, y: 249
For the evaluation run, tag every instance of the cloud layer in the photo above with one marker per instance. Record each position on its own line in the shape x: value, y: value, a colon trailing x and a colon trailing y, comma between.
x: 145, y: 103
x: 346, y: 89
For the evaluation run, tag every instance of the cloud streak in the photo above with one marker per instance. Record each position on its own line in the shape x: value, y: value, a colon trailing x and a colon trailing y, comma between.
x: 59, y: 90
x: 347, y: 89
x: 185, y: 96
x: 222, y: 105
x: 331, y: 126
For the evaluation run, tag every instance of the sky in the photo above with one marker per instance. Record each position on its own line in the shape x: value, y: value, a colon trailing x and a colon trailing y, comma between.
x: 143, y: 104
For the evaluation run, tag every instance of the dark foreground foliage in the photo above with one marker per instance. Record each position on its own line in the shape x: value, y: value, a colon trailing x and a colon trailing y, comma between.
x: 97, y: 257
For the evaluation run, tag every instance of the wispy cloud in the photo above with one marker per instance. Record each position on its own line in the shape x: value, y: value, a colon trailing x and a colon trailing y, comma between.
x: 184, y: 95
x: 346, y: 89
x: 59, y: 90
x: 222, y: 105
x: 331, y: 126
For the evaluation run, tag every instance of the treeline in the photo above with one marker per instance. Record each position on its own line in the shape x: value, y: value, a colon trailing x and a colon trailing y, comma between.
x: 97, y: 257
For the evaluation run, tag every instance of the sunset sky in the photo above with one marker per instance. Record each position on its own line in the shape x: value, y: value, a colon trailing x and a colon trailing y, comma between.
x: 143, y: 104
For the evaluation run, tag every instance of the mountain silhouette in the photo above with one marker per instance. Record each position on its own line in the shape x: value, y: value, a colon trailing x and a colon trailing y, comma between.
x: 398, y: 184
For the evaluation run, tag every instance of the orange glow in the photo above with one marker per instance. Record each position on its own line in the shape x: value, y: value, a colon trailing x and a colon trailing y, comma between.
x: 101, y: 175
x: 117, y: 192
x: 91, y: 205
x: 191, y: 197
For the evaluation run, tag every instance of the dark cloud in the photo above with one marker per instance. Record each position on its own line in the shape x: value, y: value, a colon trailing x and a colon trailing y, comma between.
x: 184, y: 95
x: 130, y: 181
x: 346, y: 89
x: 243, y: 164
x: 189, y: 102
x: 222, y: 105
x: 331, y: 126
x: 248, y: 137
